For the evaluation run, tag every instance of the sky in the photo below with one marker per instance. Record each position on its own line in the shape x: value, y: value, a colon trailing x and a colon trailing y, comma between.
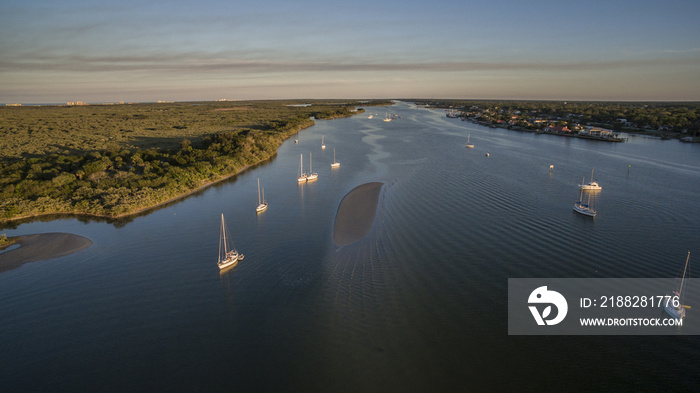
x: 144, y: 51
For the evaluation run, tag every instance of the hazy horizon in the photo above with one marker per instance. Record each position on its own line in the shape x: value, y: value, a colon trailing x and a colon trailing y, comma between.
x: 184, y: 51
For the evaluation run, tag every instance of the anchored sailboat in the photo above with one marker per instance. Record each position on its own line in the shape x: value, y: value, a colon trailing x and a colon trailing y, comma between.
x: 262, y: 205
x: 228, y: 256
x: 335, y: 163
x: 585, y: 209
x: 302, y: 176
x: 674, y: 302
x: 469, y: 145
x: 323, y: 145
x: 311, y: 175
x: 591, y: 186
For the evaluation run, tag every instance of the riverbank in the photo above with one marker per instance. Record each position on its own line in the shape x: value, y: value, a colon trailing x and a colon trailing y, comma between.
x: 40, y: 247
x: 117, y: 184
x: 355, y: 215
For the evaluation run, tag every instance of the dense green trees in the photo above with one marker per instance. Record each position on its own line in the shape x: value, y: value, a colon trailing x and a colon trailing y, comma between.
x: 133, y: 170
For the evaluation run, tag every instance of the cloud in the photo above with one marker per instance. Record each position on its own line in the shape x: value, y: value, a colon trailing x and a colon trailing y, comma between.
x: 253, y: 63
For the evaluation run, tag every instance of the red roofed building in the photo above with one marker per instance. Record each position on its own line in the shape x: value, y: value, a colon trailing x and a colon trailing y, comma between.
x: 559, y: 129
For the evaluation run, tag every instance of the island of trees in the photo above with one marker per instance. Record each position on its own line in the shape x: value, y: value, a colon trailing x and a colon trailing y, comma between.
x: 116, y: 160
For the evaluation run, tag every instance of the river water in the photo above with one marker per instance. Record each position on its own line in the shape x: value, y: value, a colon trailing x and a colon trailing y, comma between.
x: 420, y: 304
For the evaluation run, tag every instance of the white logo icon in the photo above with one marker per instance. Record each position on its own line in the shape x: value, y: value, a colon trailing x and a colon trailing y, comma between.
x: 542, y: 295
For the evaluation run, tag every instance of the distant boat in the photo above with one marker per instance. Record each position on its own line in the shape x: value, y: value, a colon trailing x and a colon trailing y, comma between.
x: 591, y: 186
x: 296, y: 137
x: 386, y: 117
x: 677, y: 297
x: 335, y: 163
x: 311, y: 175
x: 323, y: 145
x: 262, y: 205
x: 469, y: 145
x: 302, y: 176
x: 585, y: 209
x: 370, y: 116
x: 228, y: 256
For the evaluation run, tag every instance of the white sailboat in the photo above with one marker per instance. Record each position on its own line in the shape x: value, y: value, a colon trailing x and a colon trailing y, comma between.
x: 585, y: 209
x: 469, y: 145
x: 323, y: 145
x: 228, y: 256
x: 677, y: 297
x: 311, y: 175
x: 386, y: 117
x: 335, y: 163
x: 591, y: 186
x: 262, y: 205
x: 302, y: 176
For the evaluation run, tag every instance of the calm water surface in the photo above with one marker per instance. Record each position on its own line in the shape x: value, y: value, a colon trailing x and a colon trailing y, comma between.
x: 418, y: 305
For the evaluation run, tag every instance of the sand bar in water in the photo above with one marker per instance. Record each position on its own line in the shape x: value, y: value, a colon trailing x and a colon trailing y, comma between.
x: 42, y: 246
x: 356, y: 212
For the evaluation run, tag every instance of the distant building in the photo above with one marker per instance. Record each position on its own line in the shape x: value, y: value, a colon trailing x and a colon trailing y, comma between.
x: 598, y: 132
x: 558, y: 129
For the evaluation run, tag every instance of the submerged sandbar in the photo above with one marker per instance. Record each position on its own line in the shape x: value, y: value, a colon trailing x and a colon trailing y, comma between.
x: 42, y: 246
x: 356, y: 212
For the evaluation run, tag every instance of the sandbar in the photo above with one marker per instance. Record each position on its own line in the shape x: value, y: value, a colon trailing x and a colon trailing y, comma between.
x: 356, y: 212
x: 42, y: 246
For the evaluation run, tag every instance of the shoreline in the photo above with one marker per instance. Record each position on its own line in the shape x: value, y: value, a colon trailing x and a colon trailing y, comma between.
x: 142, y: 210
x: 40, y: 247
x: 129, y: 214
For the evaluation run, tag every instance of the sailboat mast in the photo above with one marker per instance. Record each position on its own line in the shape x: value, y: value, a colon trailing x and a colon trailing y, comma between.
x: 258, y: 191
x: 222, y: 237
x: 682, y: 294
x: 310, y: 167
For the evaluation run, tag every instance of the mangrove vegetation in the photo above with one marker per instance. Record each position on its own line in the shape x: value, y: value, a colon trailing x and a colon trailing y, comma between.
x: 116, y: 160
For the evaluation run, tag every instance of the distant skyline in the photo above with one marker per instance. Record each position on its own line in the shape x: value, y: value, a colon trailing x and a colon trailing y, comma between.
x: 131, y: 51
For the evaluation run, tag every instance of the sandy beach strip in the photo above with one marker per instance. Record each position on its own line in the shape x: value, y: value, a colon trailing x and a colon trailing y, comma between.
x: 356, y: 213
x: 42, y: 246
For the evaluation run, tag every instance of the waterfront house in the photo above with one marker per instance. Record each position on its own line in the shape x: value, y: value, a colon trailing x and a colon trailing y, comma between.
x: 597, y: 132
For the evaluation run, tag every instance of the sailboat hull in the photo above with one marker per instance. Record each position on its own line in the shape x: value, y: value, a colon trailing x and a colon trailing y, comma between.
x: 261, y: 207
x: 677, y: 313
x: 231, y: 259
x: 584, y: 209
x: 228, y: 262
x: 593, y: 186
